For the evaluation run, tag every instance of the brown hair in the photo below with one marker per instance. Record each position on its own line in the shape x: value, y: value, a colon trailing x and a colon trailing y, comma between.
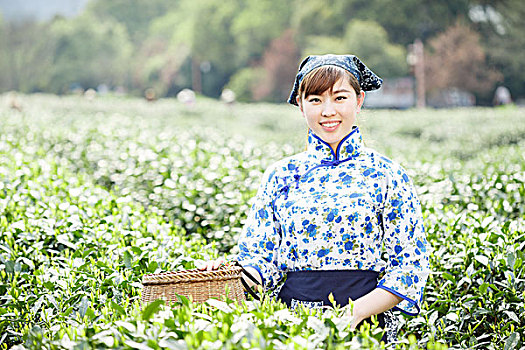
x: 323, y: 78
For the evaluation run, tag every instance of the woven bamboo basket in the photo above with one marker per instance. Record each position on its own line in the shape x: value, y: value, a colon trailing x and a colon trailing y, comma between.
x: 195, y: 284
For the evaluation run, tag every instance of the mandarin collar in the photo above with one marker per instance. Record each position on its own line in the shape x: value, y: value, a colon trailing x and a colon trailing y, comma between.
x: 349, y: 147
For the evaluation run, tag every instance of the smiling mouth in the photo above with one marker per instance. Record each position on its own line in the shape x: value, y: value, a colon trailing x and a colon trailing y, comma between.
x: 332, y: 125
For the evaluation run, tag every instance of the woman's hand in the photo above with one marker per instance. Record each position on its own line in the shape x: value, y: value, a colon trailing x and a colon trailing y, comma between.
x: 356, y: 319
x: 217, y: 263
x: 210, y: 265
x: 373, y: 303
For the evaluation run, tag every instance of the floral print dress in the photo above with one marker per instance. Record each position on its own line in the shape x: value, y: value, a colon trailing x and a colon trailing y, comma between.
x: 353, y: 209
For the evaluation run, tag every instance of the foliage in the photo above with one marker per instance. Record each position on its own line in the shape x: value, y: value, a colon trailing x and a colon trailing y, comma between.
x: 25, y: 56
x: 370, y: 42
x: 403, y: 20
x: 271, y: 79
x: 503, y: 42
x: 94, y: 194
x: 88, y: 52
x: 255, y: 26
x: 326, y: 18
x: 229, y: 36
x: 135, y: 15
x: 482, y: 261
x: 280, y: 67
x: 244, y: 82
x: 171, y: 45
x: 407, y: 20
x: 199, y: 31
x: 459, y: 50
x: 322, y: 45
x: 160, y: 66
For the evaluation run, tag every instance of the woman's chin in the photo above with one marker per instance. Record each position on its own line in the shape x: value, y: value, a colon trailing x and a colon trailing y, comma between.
x: 330, y: 139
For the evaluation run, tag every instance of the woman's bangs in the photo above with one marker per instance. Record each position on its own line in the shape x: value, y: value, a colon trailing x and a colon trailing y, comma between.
x: 320, y: 80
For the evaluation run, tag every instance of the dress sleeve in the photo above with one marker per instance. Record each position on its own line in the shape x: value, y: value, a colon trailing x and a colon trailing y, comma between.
x: 405, y: 243
x: 261, y: 237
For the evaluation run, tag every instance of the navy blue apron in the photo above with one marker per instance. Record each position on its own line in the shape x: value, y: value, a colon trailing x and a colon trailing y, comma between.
x: 312, y: 288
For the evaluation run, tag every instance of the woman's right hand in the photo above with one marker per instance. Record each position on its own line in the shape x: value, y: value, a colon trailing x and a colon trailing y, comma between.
x: 210, y: 265
x: 217, y: 263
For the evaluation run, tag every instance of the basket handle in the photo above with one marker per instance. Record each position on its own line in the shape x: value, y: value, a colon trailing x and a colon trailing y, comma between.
x: 245, y: 285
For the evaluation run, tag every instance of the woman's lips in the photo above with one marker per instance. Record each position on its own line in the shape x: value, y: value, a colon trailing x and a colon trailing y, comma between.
x: 330, y: 126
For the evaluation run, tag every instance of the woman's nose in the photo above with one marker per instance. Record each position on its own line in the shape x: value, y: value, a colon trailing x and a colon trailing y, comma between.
x: 328, y: 109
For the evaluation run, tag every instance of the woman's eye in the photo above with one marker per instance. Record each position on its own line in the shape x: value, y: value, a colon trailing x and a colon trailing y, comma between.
x: 339, y: 98
x: 314, y: 100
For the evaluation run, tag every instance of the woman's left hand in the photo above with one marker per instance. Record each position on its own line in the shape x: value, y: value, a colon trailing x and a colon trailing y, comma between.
x: 377, y: 301
x: 355, y: 321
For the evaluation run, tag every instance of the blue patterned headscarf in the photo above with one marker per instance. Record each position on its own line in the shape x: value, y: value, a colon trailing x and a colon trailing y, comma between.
x: 367, y: 79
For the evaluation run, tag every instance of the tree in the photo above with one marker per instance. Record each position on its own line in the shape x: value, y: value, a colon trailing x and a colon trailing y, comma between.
x: 280, y: 64
x: 456, y: 58
x: 159, y: 66
x: 258, y: 23
x: 88, y: 52
x: 321, y: 45
x: 403, y: 20
x: 504, y: 41
x: 245, y: 81
x: 135, y: 15
x: 225, y: 37
x: 322, y: 18
x: 4, y: 66
x: 367, y: 40
x: 202, y: 31
x: 407, y: 20
x: 25, y: 56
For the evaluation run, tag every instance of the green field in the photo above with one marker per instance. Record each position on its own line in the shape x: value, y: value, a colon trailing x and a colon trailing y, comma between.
x: 96, y: 193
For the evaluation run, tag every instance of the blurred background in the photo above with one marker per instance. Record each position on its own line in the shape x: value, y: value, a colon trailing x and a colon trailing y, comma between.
x: 99, y: 186
x: 435, y: 53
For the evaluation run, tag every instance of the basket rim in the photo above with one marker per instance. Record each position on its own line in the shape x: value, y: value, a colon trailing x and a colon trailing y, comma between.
x: 192, y: 276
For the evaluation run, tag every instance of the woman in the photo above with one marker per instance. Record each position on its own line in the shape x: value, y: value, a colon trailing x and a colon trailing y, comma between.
x: 339, y: 218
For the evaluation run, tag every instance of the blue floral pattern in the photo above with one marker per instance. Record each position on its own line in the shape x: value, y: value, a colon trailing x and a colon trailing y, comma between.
x: 352, y: 209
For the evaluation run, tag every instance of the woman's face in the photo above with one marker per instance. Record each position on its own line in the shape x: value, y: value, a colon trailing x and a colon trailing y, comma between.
x: 332, y: 115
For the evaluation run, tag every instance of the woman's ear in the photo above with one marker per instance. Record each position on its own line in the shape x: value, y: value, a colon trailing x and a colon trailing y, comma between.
x: 360, y: 100
x: 298, y: 99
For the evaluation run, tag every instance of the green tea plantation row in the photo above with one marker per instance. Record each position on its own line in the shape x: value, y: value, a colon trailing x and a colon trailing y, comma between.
x: 95, y: 194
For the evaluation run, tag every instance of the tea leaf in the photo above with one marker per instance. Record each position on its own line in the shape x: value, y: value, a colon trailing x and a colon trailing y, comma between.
x: 118, y: 308
x: 449, y: 277
x: 84, y: 304
x: 482, y: 259
x: 512, y: 341
x: 135, y: 345
x: 152, y: 308
x: 127, y: 259
x: 221, y: 305
x: 512, y: 316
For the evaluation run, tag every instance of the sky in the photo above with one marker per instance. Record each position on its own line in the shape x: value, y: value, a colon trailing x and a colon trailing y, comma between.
x: 41, y: 10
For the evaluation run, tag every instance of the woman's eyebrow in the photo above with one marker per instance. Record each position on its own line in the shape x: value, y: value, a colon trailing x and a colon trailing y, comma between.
x: 340, y: 90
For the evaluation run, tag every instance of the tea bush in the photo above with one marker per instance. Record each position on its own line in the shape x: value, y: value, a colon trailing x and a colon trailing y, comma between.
x: 95, y: 194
